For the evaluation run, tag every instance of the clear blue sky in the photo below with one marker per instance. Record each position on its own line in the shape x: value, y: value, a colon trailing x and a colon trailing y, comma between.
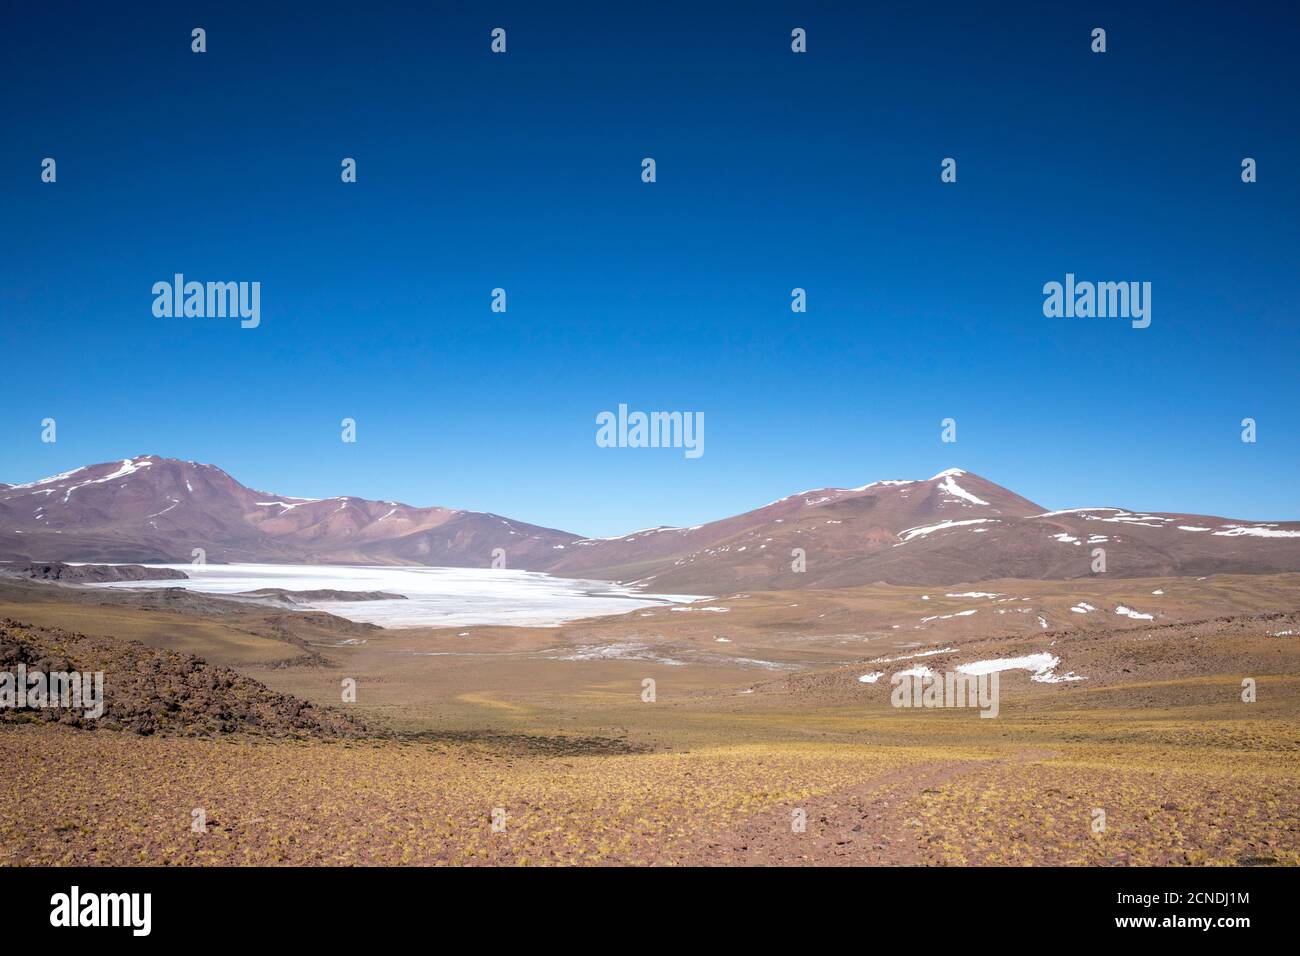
x: 775, y: 170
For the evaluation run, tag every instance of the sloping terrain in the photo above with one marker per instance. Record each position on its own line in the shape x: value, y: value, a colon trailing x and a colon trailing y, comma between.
x: 150, y: 691
x: 761, y: 718
x: 159, y: 510
x: 953, y: 527
x: 1158, y: 740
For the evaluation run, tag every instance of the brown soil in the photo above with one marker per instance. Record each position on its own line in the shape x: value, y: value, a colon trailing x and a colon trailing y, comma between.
x: 149, y: 691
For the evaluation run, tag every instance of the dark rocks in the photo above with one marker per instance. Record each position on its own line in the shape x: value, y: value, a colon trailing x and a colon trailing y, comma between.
x: 148, y: 691
x: 91, y: 573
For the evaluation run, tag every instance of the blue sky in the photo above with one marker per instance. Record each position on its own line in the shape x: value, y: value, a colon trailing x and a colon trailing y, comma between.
x: 775, y: 170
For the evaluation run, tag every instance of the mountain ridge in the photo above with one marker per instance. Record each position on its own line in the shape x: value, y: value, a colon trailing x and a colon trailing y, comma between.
x: 953, y: 527
x: 156, y: 509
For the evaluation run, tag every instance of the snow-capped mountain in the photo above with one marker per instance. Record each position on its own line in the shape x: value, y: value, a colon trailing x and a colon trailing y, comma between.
x: 160, y: 509
x: 952, y: 527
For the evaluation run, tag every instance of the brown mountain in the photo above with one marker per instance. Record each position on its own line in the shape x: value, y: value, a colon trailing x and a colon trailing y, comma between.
x: 160, y: 509
x: 951, y: 528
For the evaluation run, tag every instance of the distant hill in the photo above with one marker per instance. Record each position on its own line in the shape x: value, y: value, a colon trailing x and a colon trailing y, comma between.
x: 952, y: 527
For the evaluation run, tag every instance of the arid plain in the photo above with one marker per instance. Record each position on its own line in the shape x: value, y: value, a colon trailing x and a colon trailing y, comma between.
x: 762, y: 744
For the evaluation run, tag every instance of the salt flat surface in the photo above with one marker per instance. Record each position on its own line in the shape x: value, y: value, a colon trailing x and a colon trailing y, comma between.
x: 436, y: 597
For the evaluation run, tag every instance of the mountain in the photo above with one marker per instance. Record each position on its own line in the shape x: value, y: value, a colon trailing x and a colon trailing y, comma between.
x: 847, y: 523
x: 953, y: 527
x: 155, y: 509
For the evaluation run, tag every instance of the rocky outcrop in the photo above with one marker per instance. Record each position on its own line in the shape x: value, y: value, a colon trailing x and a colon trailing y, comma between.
x: 148, y: 691
x: 91, y: 573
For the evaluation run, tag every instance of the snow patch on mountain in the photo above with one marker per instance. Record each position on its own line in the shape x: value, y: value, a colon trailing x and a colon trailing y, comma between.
x: 48, y: 481
x: 950, y: 487
x: 1042, y: 665
x: 886, y: 482
x: 1236, y: 530
x: 129, y: 466
x: 911, y: 533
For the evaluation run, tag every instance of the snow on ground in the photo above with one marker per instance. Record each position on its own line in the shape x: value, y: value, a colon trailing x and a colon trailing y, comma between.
x: 1042, y: 665
x: 918, y: 671
x: 977, y: 594
x: 1145, y: 520
x: 1118, y: 516
x: 633, y: 535
x: 637, y: 651
x: 950, y: 487
x: 1129, y: 612
x: 618, y: 652
x: 46, y: 481
x: 174, y: 504
x: 944, y: 617
x: 908, y: 657
x: 1083, y: 607
x: 1236, y: 530
x: 129, y: 466
x: 436, y: 597
x: 871, y: 678
x: 911, y: 533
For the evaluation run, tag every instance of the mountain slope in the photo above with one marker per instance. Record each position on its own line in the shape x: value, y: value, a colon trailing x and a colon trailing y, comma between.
x: 160, y: 509
x: 953, y: 527
x: 844, y: 522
